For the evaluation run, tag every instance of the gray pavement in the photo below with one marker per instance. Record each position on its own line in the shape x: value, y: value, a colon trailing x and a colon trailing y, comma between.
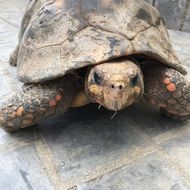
x: 176, y: 13
x: 84, y: 149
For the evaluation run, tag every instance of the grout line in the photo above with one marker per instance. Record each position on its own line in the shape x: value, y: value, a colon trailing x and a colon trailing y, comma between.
x: 169, y: 135
x: 47, y: 159
x: 165, y: 156
x: 174, y: 164
x: 107, y: 168
x: 52, y: 171
x: 59, y: 183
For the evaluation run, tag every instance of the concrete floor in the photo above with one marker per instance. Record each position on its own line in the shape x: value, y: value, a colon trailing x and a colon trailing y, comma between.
x: 85, y: 150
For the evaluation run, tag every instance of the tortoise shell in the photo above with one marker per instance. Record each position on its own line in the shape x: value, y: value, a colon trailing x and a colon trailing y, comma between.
x: 58, y: 36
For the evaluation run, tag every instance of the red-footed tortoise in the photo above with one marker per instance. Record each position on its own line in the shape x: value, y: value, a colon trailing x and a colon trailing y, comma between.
x: 73, y: 52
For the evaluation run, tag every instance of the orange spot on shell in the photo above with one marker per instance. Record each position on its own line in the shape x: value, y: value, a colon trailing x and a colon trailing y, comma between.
x: 20, y: 111
x: 166, y: 81
x: 58, y: 97
x: 171, y: 87
x: 52, y: 103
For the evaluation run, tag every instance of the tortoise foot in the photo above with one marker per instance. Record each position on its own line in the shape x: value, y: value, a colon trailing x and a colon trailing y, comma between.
x: 175, y: 116
x: 170, y: 90
x: 34, y: 102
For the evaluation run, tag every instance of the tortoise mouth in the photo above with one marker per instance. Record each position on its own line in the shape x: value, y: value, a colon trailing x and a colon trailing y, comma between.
x: 114, y: 85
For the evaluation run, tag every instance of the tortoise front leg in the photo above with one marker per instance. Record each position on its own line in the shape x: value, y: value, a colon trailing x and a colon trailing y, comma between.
x: 168, y: 89
x: 36, y: 101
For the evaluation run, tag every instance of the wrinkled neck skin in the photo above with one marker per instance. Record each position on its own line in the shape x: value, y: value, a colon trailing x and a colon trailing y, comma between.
x: 115, y: 85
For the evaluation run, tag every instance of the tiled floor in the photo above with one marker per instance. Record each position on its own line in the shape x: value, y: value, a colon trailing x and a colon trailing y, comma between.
x: 84, y: 149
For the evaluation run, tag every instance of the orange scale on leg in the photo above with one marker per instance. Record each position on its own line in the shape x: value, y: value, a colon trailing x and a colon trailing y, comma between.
x: 52, y: 103
x: 20, y: 111
x: 166, y: 81
x: 58, y: 97
x: 14, y: 114
x: 171, y: 87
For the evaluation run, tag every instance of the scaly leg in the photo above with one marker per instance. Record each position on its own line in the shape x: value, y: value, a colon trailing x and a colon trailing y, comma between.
x: 35, y: 101
x: 168, y: 89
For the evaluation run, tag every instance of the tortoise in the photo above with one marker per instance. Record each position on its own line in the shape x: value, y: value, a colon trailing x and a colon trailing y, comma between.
x: 110, y: 52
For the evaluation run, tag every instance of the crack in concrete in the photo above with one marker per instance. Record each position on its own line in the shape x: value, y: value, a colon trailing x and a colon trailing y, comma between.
x: 25, y: 179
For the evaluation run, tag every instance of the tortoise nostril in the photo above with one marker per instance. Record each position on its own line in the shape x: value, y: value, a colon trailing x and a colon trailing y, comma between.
x: 117, y: 86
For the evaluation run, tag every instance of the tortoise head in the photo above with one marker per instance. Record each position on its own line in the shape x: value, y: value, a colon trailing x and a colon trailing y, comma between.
x: 114, y: 85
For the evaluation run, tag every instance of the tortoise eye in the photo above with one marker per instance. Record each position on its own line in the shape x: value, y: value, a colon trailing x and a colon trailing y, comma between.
x: 134, y: 80
x: 97, y: 78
